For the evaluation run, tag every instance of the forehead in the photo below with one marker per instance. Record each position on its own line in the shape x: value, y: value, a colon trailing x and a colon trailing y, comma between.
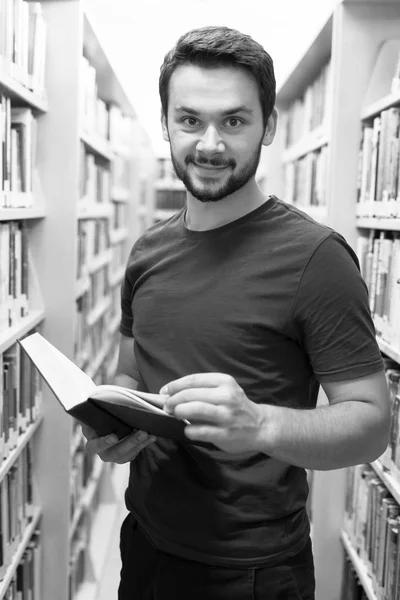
x: 214, y: 89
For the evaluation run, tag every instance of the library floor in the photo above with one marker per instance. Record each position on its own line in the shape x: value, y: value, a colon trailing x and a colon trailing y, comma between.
x: 109, y: 584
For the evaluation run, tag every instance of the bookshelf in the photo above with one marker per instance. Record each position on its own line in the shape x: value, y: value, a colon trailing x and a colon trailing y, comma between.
x: 170, y: 193
x: 74, y: 225
x: 360, y: 43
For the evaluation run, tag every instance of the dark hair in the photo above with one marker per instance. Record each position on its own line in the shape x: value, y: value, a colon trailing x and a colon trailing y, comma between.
x: 212, y: 47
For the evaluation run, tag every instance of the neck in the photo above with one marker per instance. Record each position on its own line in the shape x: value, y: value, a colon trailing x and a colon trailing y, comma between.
x: 201, y: 216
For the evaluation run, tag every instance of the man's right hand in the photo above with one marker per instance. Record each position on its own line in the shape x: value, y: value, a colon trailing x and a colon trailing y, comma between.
x: 111, y: 450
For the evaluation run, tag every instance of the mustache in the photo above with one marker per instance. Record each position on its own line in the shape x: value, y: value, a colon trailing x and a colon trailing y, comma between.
x: 214, y: 162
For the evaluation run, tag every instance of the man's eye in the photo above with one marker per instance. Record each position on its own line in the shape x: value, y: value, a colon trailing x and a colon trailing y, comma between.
x: 192, y: 121
x: 234, y: 122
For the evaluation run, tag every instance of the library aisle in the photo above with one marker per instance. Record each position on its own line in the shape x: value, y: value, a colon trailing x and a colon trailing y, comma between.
x: 79, y: 183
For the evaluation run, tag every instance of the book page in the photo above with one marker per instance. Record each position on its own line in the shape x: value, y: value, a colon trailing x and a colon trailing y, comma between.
x: 119, y: 395
x: 69, y: 384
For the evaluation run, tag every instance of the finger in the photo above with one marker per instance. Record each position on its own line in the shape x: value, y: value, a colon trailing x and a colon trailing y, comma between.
x: 97, y: 444
x: 204, y: 433
x: 202, y: 412
x: 122, y: 453
x: 211, y: 395
x: 88, y: 432
x: 194, y: 381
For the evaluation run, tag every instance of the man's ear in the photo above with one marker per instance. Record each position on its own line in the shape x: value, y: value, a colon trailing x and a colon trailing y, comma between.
x: 164, y: 126
x: 270, y: 130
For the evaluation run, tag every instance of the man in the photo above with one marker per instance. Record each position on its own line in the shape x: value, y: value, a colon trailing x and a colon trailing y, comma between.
x: 238, y: 308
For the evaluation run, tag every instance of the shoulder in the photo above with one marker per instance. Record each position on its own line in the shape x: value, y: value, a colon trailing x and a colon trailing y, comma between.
x: 157, y: 235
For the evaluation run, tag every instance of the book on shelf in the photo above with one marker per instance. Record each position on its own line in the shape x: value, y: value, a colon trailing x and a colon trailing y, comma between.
x: 105, y: 408
x: 378, y: 191
x: 372, y: 523
x: 23, y: 42
x: 379, y: 256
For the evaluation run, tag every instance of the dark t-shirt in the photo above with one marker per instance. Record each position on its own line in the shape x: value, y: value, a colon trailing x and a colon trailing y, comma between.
x: 274, y: 300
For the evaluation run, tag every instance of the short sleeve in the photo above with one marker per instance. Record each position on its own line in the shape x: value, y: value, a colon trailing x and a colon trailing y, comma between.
x: 332, y: 316
x: 126, y: 325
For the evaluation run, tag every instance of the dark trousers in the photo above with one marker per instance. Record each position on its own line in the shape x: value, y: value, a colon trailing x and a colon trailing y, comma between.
x: 148, y: 574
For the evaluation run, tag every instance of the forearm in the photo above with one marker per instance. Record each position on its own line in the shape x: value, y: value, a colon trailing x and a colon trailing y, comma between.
x: 324, y: 438
x: 125, y: 380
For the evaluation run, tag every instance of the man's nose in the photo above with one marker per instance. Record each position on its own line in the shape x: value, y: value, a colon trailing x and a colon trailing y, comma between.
x: 211, y: 142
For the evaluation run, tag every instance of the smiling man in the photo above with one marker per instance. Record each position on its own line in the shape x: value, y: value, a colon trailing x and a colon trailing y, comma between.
x: 239, y: 308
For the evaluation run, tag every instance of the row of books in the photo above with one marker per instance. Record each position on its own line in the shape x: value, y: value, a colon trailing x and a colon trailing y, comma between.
x: 165, y: 170
x: 379, y: 256
x: 25, y: 585
x: 305, y: 179
x: 14, y: 273
x: 390, y: 459
x: 20, y: 397
x: 23, y: 36
x: 120, y: 215
x: 372, y: 523
x: 16, y: 506
x: 170, y: 199
x: 118, y: 258
x: 78, y: 568
x: 379, y: 166
x: 106, y: 120
x: 80, y: 473
x: 90, y: 339
x: 95, y: 178
x: 308, y: 112
x: 17, y: 154
x: 351, y: 587
x: 93, y: 240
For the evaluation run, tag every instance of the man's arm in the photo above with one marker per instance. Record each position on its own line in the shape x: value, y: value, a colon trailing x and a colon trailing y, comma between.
x: 127, y: 372
x: 353, y: 429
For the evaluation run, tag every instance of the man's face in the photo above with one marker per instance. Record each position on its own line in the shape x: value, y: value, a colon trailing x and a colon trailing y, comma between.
x: 215, y: 129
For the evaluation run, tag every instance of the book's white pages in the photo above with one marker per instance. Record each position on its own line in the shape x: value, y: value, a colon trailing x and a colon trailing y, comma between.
x: 125, y: 397
x: 67, y: 381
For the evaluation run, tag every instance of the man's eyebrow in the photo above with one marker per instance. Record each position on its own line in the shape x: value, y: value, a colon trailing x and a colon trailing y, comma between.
x: 230, y: 111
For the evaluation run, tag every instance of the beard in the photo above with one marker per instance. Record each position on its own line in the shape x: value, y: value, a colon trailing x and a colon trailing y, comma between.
x: 211, y: 190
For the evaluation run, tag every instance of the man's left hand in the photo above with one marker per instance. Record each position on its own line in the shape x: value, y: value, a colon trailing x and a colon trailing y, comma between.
x: 218, y: 410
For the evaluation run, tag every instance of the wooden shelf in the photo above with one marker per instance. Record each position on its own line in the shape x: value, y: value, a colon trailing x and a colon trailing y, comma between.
x: 377, y: 107
x: 100, y: 261
x: 82, y: 286
x: 24, y: 325
x: 99, y: 359
x: 390, y: 482
x: 117, y: 277
x: 359, y: 567
x: 114, y: 324
x: 317, y: 55
x: 17, y: 91
x: 98, y: 311
x: 386, y: 348
x: 94, y: 211
x: 87, y: 496
x: 378, y: 223
x: 118, y: 235
x: 95, y: 143
x: 16, y: 559
x: 312, y: 141
x: 22, y: 441
x: 120, y: 195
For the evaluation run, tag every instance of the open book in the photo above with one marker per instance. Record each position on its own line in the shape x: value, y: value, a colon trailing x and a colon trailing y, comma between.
x: 105, y: 408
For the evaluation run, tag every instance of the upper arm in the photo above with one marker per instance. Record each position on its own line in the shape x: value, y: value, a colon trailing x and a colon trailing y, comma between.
x: 332, y: 316
x: 126, y: 358
x: 371, y: 389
